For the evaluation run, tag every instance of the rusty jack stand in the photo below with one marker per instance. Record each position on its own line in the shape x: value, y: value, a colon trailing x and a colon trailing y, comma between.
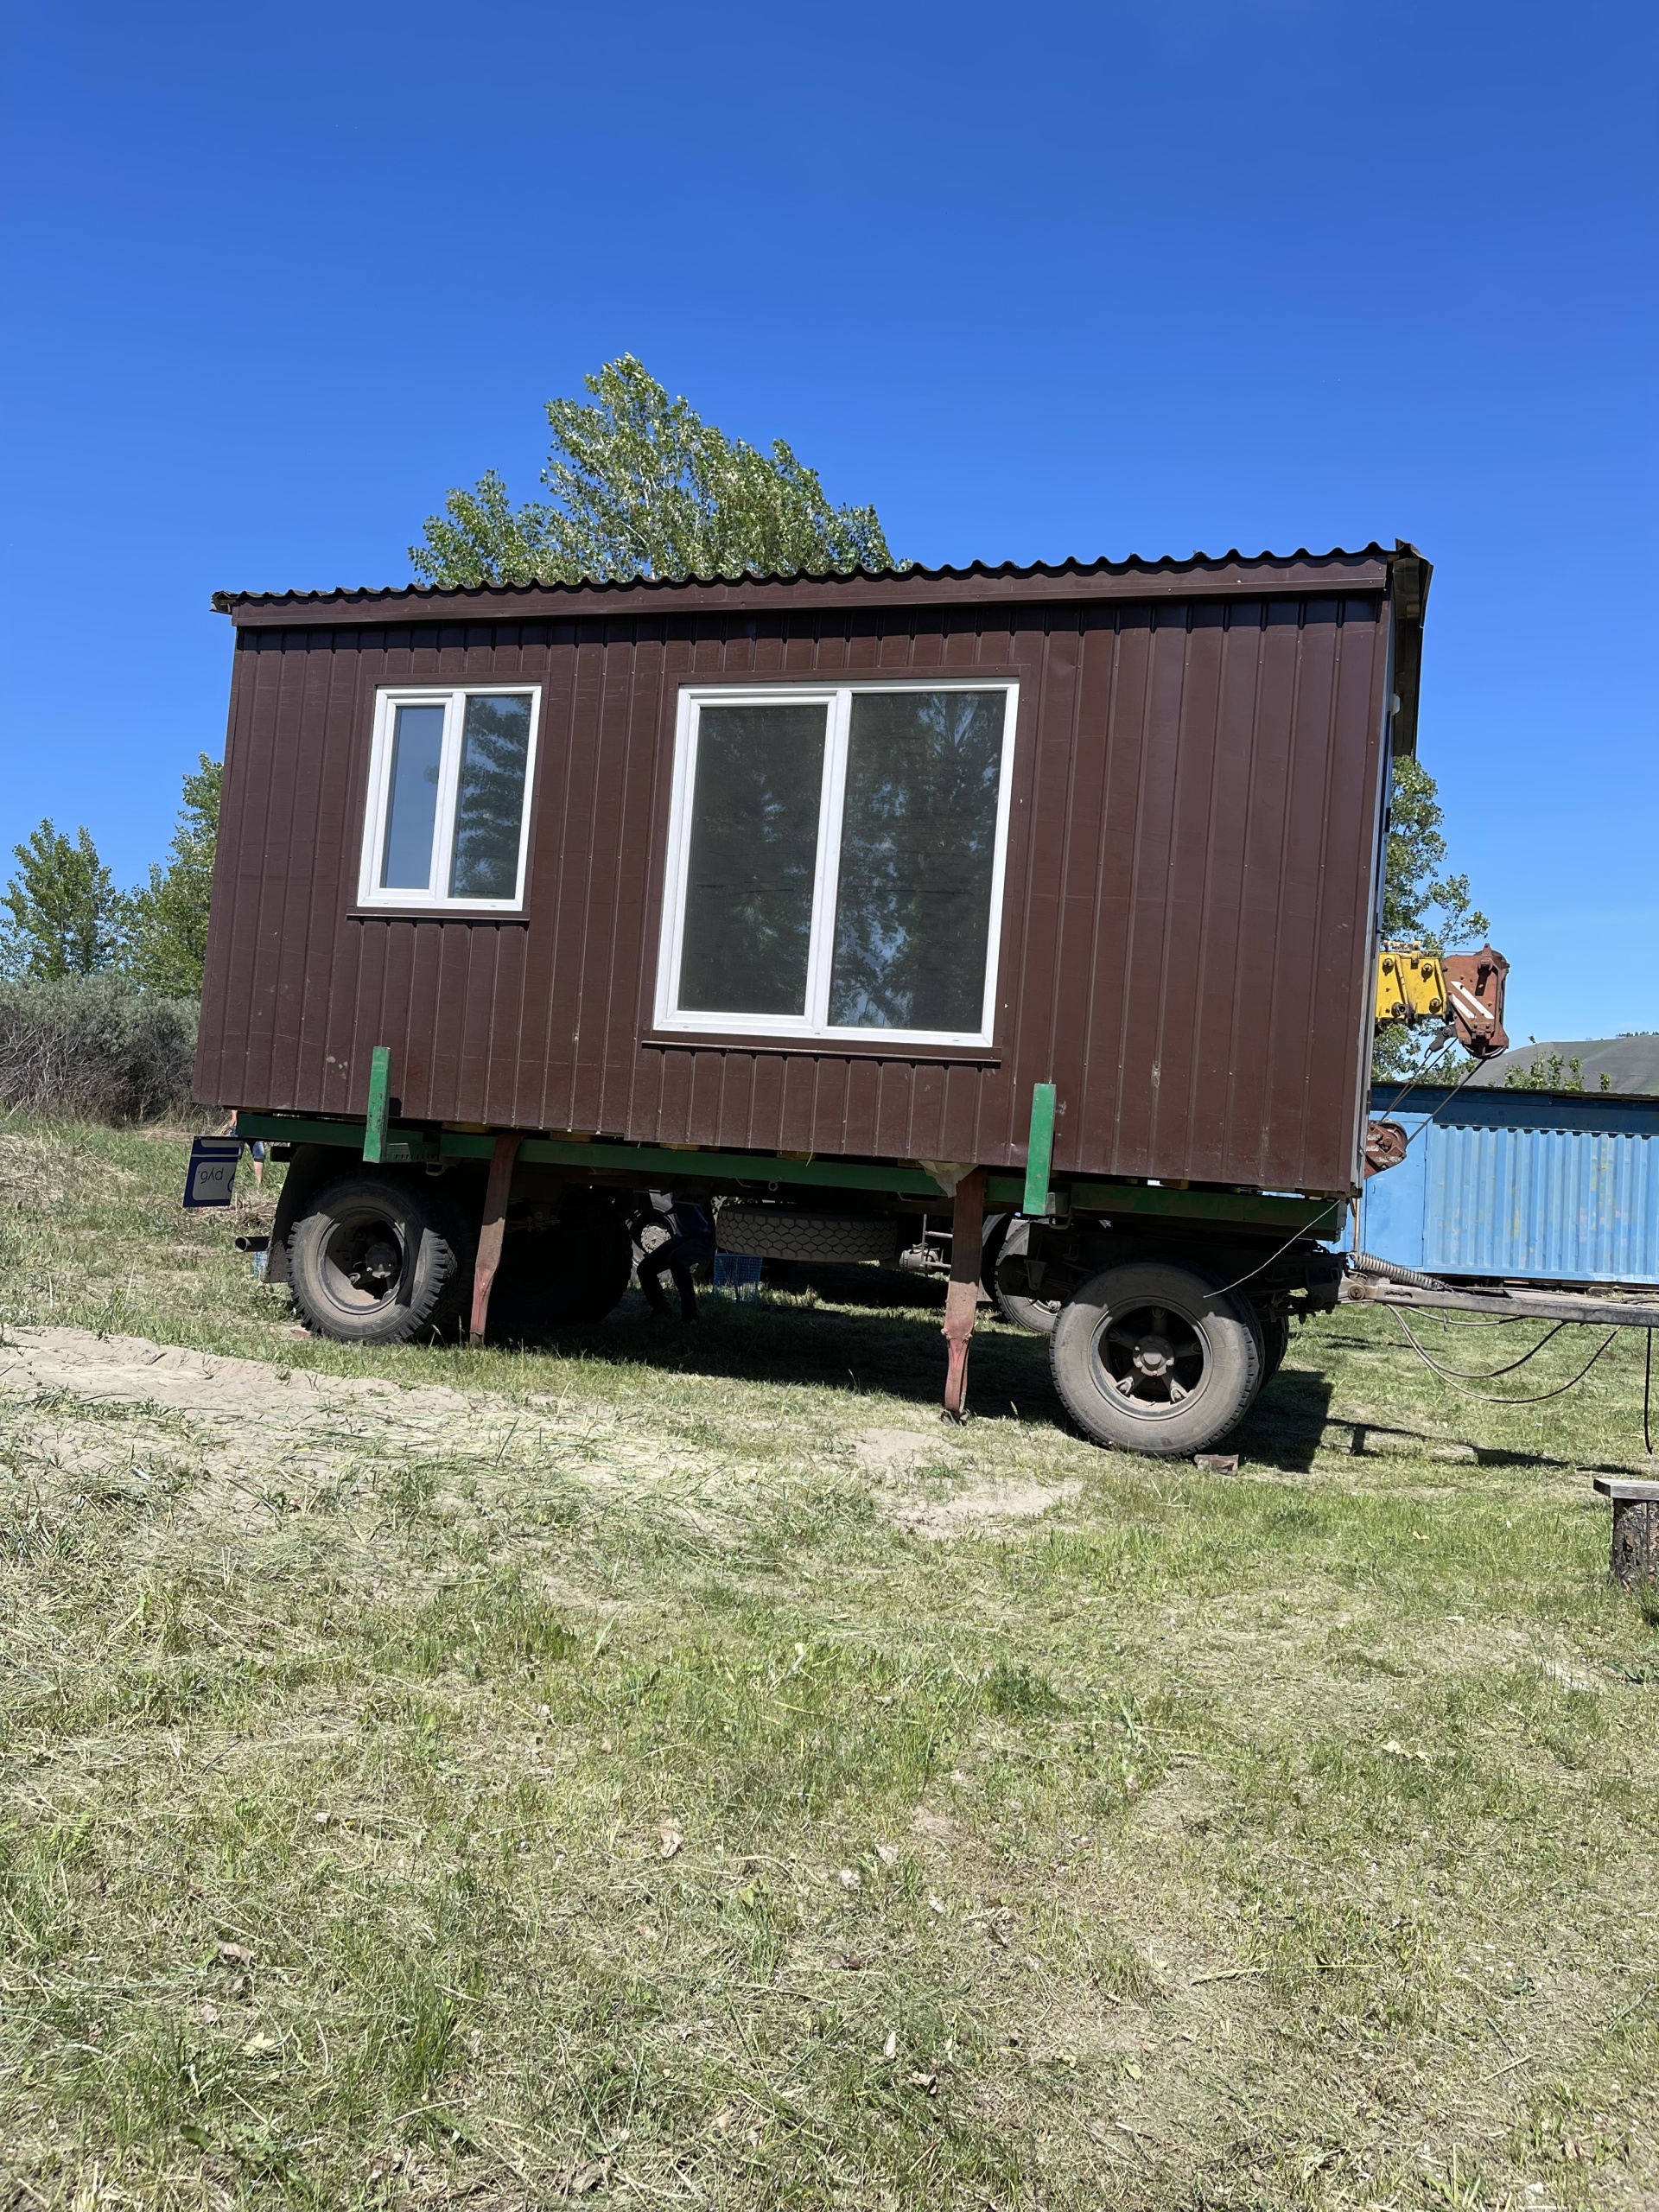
x: 962, y: 1299
x: 493, y: 1230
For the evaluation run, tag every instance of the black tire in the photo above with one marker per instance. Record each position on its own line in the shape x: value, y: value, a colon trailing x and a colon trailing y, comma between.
x: 570, y: 1274
x: 1276, y: 1343
x: 1153, y: 1357
x: 991, y: 1240
x: 1037, y: 1315
x: 374, y: 1260
x: 759, y: 1232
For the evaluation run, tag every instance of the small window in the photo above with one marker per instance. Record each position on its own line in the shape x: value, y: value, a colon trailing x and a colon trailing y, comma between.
x: 449, y: 812
x: 836, y: 861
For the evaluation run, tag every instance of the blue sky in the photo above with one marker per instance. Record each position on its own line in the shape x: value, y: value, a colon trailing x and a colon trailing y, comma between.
x: 1068, y: 280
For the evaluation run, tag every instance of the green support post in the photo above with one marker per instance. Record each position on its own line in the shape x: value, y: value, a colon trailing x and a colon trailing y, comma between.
x: 374, y: 1130
x: 1039, y: 1154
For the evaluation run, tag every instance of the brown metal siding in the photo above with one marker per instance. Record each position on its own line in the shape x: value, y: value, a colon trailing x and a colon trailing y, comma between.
x: 1186, y: 923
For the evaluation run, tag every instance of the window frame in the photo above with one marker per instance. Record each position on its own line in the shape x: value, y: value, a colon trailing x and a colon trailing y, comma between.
x: 837, y: 696
x: 453, y: 696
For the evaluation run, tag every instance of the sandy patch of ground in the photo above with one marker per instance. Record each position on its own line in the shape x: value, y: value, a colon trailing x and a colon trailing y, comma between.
x: 241, y: 1431
x: 93, y: 1401
x: 983, y: 1506
x: 97, y: 1405
x: 890, y: 1452
x: 234, y: 1396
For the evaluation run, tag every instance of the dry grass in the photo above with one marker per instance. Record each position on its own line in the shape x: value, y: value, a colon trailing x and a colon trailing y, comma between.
x: 666, y: 1767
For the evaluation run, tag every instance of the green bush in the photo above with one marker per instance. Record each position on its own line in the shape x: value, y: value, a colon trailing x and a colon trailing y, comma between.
x: 94, y: 1048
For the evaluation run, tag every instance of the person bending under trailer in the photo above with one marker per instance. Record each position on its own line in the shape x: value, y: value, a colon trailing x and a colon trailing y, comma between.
x: 690, y: 1242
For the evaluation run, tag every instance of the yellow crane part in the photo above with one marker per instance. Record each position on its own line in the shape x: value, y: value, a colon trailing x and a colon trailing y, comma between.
x: 1463, y: 989
x: 1410, y: 984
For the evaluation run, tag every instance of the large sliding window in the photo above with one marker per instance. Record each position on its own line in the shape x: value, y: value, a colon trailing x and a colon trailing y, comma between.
x: 448, y: 813
x: 836, y: 861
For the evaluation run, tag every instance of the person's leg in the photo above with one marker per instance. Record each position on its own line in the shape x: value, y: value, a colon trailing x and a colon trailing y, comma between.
x: 681, y: 1256
x: 651, y: 1280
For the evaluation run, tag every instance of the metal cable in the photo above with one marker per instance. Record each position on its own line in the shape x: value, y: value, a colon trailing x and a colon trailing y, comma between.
x: 1412, y: 1080
x: 1473, y: 1068
x: 1460, y: 1324
x: 1295, y: 1238
x: 1491, y: 1375
x: 1492, y: 1398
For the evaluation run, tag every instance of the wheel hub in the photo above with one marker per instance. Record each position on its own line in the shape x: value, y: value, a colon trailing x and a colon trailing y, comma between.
x: 364, y: 1263
x: 379, y: 1263
x: 1152, y: 1358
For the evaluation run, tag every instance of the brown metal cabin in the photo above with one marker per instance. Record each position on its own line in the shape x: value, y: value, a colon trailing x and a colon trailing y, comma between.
x: 803, y: 892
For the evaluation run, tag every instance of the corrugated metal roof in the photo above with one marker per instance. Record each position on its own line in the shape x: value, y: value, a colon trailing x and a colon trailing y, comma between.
x: 1629, y: 1064
x: 974, y: 571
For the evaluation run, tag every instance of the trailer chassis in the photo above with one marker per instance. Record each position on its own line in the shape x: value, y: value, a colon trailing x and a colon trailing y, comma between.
x: 1195, y: 1336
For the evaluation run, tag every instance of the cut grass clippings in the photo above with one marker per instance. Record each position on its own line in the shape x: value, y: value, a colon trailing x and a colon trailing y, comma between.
x: 669, y: 1767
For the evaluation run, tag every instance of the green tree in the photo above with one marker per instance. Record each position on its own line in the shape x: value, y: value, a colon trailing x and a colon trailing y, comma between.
x: 1421, y: 904
x: 1549, y: 1072
x: 643, y: 486
x: 64, y: 916
x: 168, y: 918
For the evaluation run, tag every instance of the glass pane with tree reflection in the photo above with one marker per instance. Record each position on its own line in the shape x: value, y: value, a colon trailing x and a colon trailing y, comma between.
x: 490, y: 798
x: 917, y: 848
x: 753, y: 859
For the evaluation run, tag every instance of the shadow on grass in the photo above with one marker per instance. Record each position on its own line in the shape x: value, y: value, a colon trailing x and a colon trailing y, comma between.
x: 870, y: 1330
x: 851, y: 1338
x: 1284, y: 1427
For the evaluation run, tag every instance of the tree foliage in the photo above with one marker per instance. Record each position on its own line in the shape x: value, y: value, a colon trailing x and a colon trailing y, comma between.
x: 642, y: 486
x: 168, y: 925
x: 1549, y: 1072
x: 64, y: 916
x: 95, y: 1048
x: 1421, y: 904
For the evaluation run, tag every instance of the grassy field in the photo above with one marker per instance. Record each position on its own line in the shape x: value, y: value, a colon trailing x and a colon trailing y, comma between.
x: 671, y: 1768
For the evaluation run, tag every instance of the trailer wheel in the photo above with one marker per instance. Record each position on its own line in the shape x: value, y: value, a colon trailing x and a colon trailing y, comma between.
x: 1036, y: 1314
x: 372, y: 1261
x: 1153, y: 1357
x: 1276, y: 1343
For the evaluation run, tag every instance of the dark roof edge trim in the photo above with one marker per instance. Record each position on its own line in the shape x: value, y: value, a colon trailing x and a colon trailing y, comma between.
x: 1365, y: 570
x: 1410, y: 575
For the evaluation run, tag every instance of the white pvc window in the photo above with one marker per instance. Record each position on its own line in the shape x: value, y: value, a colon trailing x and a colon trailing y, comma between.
x: 835, y: 860
x: 449, y: 782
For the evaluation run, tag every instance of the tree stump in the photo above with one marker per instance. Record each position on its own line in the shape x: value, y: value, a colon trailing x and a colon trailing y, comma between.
x: 1635, y: 1529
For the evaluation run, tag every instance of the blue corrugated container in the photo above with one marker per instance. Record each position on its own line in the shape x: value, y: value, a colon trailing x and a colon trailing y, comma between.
x: 1537, y: 1186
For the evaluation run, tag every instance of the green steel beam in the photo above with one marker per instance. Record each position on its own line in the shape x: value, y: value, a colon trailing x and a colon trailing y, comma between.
x: 374, y: 1130
x: 742, y: 1167
x: 659, y: 1164
x: 644, y: 1160
x: 1040, y: 1151
x: 300, y: 1128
